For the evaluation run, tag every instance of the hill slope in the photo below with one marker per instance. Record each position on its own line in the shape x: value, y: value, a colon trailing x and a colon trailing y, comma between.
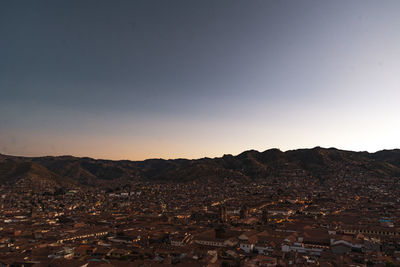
x: 318, y: 162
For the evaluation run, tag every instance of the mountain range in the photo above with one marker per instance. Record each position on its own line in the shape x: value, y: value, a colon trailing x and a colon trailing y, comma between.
x: 66, y: 171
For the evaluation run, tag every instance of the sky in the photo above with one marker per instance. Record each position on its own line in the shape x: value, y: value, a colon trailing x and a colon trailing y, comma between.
x: 191, y: 79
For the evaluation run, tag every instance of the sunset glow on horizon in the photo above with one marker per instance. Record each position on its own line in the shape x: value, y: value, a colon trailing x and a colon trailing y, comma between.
x: 191, y: 79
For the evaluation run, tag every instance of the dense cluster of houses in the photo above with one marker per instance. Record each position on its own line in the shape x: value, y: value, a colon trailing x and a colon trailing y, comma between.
x: 297, y: 221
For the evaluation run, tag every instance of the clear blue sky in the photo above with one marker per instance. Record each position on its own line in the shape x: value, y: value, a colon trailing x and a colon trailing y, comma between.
x: 146, y: 79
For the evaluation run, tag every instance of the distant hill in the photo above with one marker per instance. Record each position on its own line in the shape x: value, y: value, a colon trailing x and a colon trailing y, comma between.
x: 250, y: 165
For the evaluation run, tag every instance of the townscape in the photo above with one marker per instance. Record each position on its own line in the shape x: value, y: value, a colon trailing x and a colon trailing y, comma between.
x: 201, y: 133
x: 297, y: 221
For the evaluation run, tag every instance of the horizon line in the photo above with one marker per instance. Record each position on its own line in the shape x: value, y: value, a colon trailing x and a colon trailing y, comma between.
x: 205, y: 157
